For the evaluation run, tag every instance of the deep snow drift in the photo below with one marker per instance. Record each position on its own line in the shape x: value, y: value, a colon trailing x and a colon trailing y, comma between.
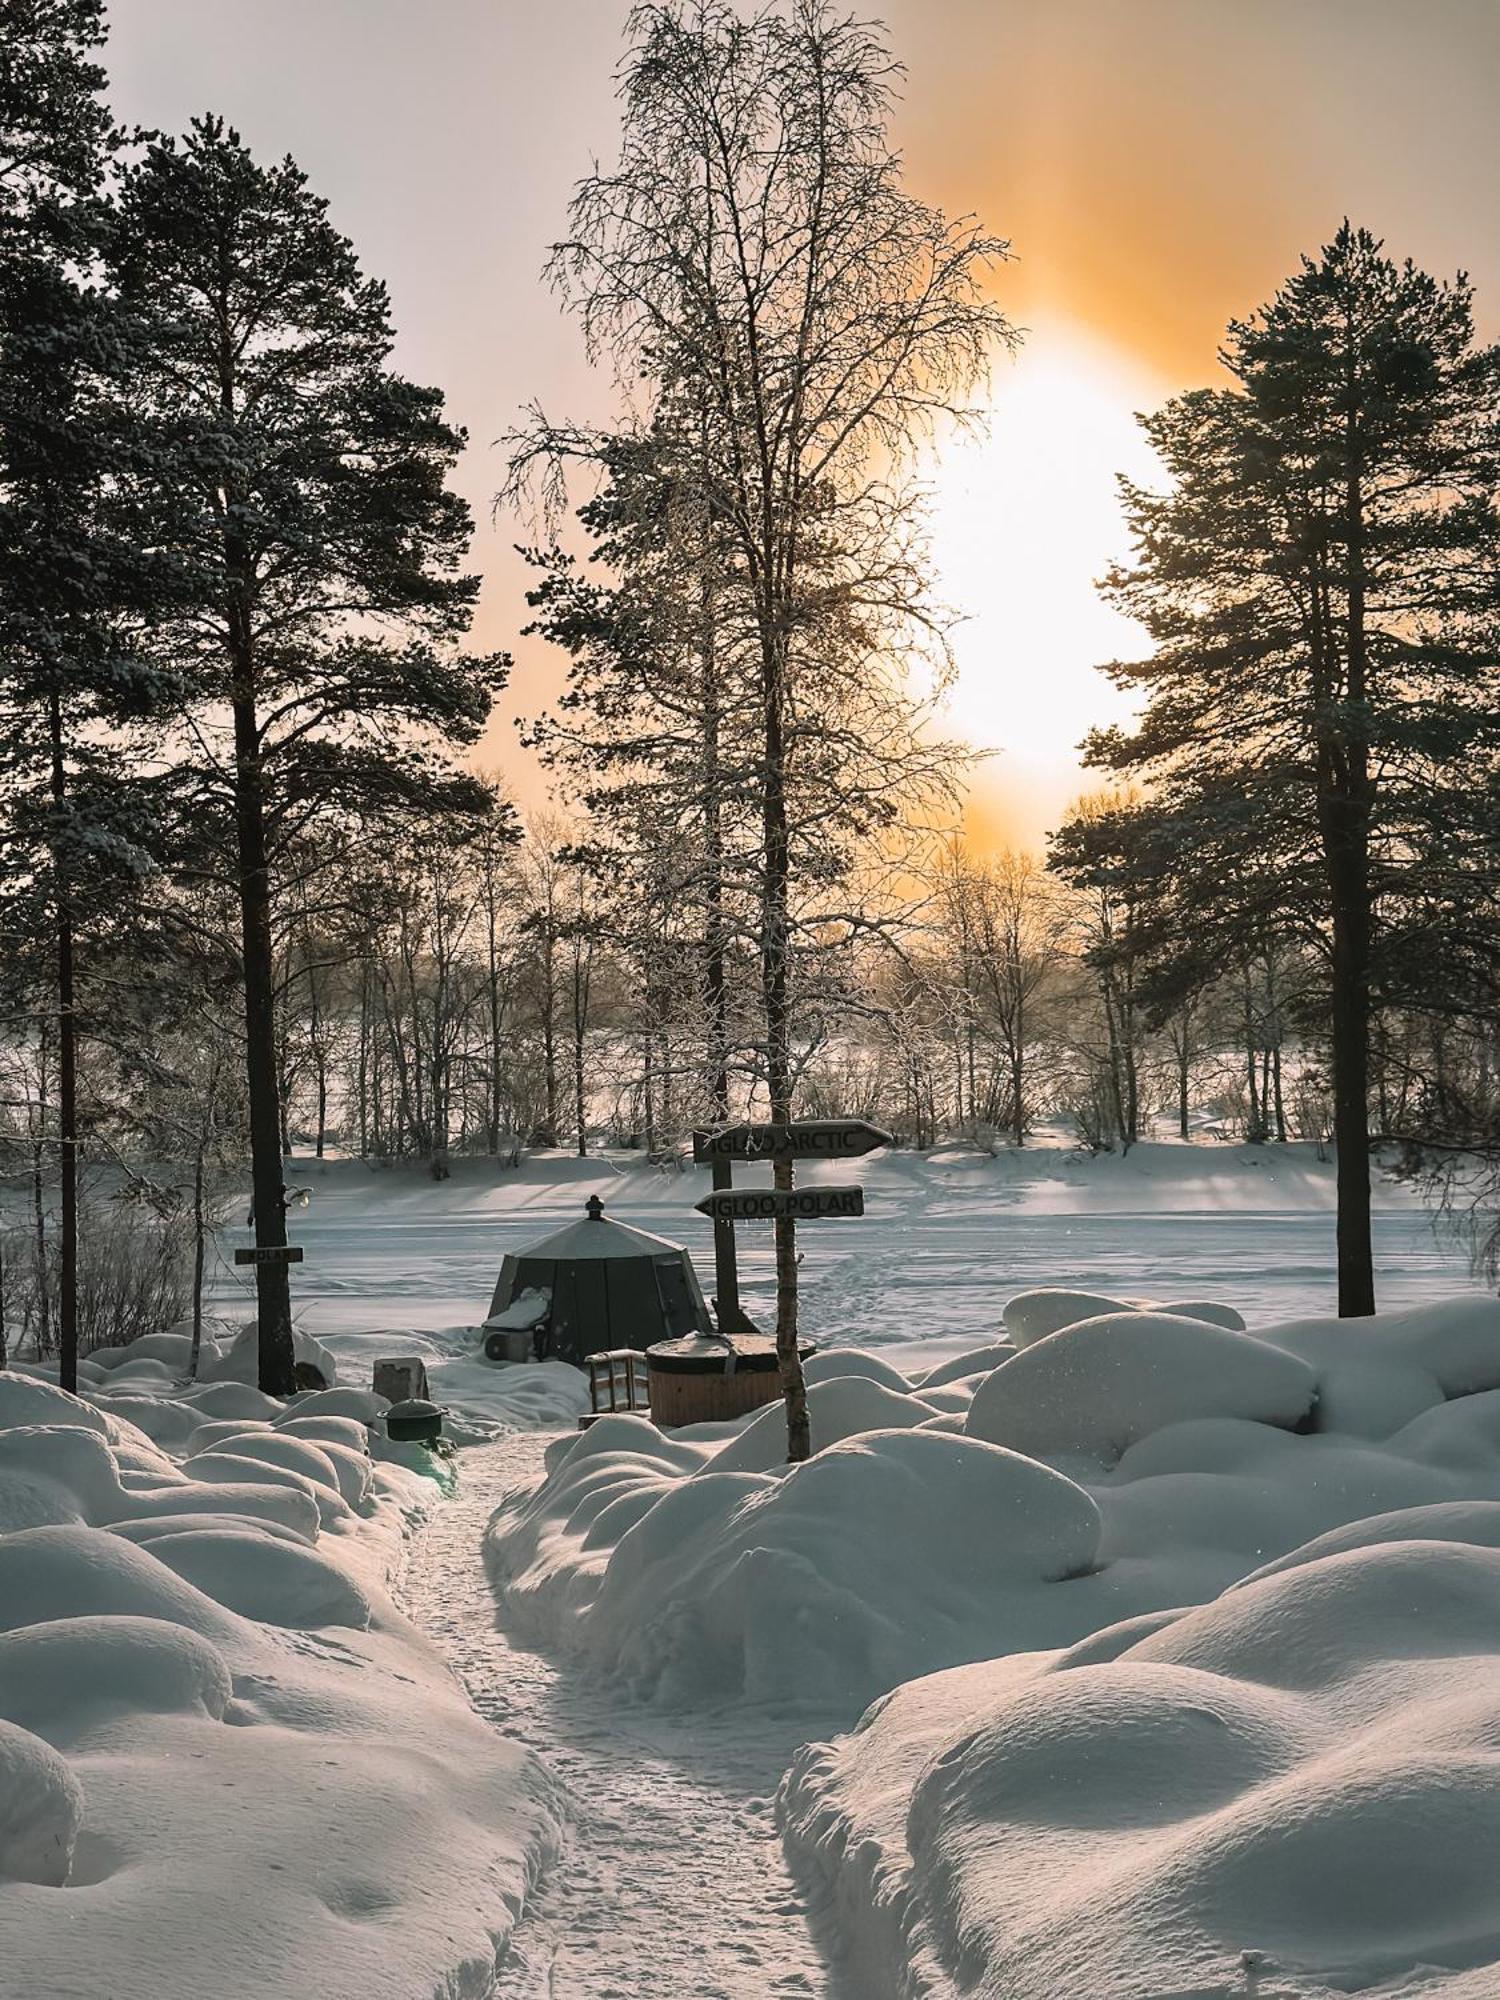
x: 228, y: 1765
x: 1069, y: 1783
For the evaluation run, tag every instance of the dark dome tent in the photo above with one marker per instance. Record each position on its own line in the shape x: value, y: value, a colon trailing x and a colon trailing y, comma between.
x: 608, y: 1286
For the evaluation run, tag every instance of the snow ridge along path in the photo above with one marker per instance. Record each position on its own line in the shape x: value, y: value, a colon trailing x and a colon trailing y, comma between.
x: 672, y: 1883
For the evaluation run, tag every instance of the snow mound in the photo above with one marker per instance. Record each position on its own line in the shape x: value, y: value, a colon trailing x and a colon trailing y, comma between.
x: 1094, y: 1388
x: 50, y: 1573
x: 24, y: 1401
x: 1289, y: 1791
x: 183, y: 1653
x: 1376, y: 1375
x: 880, y: 1558
x: 41, y: 1808
x: 838, y: 1407
x: 227, y: 1464
x: 274, y: 1581
x: 1032, y: 1316
x: 240, y: 1361
x: 833, y: 1362
x: 61, y: 1676
x: 973, y: 1361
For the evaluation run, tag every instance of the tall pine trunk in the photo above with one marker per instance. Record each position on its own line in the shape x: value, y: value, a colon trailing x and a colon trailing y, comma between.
x: 273, y: 1293
x: 1345, y: 819
x: 67, y: 1081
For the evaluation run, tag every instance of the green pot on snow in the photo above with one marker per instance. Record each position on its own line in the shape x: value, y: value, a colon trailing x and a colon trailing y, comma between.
x: 414, y: 1422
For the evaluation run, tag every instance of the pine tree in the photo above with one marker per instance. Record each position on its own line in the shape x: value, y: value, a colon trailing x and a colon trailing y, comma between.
x: 301, y: 488
x: 73, y: 587
x: 1319, y: 581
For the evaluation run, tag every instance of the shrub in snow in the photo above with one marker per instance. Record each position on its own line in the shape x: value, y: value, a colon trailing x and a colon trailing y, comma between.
x: 41, y: 1808
x: 1094, y: 1388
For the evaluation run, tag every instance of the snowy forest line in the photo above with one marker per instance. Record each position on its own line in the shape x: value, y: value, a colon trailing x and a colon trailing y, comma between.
x: 255, y: 893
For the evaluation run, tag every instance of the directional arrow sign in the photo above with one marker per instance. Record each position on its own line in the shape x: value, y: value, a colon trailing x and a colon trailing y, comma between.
x: 803, y: 1139
x: 766, y: 1204
x: 271, y: 1253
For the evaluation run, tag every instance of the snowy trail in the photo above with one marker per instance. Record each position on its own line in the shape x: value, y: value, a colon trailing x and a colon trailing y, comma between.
x: 673, y: 1883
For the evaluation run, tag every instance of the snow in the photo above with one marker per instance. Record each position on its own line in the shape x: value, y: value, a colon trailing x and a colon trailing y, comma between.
x: 948, y: 1237
x: 1164, y: 1648
x: 671, y: 1881
x: 218, y: 1736
x: 1095, y: 1388
x: 1295, y: 1783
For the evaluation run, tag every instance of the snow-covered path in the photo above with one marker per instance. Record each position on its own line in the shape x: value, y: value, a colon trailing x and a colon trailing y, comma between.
x: 673, y: 1883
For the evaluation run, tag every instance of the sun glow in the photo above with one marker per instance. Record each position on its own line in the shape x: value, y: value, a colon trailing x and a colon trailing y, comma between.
x: 1025, y: 520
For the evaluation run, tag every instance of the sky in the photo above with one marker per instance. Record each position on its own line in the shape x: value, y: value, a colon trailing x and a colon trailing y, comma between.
x: 1157, y: 165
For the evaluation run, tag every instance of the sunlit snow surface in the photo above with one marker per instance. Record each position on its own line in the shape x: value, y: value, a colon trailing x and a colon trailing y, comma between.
x: 1180, y: 1636
x: 945, y: 1240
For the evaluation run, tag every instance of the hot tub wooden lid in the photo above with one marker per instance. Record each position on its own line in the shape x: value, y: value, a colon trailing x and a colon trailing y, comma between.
x: 701, y: 1354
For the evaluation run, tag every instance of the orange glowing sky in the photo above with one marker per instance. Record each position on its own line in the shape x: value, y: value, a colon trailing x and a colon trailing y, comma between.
x: 1157, y: 164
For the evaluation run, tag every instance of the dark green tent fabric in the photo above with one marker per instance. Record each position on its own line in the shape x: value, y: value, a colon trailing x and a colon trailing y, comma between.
x: 610, y: 1286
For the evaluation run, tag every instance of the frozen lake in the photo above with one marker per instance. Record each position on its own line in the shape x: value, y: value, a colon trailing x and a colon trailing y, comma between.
x: 945, y: 1240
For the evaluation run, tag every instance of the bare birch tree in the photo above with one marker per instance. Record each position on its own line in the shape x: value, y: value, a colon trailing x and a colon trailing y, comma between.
x: 755, y: 252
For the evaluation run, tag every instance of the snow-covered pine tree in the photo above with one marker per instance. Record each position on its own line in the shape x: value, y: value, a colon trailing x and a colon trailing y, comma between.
x: 1319, y: 579
x: 73, y: 586
x: 300, y: 485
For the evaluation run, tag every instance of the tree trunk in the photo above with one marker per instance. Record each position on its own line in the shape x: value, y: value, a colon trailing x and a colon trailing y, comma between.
x: 775, y: 982
x: 199, y: 1232
x: 580, y: 1032
x: 67, y: 1083
x: 273, y: 1296
x: 1351, y: 1118
x: 38, y: 1206
x: 1345, y: 818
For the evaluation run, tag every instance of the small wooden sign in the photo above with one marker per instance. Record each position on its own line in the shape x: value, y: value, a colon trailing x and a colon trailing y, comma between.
x: 270, y: 1253
x: 814, y: 1204
x: 803, y: 1139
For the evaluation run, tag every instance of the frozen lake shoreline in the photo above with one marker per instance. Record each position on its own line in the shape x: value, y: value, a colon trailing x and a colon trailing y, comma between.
x: 946, y: 1238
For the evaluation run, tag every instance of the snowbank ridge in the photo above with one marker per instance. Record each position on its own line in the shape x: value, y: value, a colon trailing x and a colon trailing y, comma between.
x: 219, y: 1740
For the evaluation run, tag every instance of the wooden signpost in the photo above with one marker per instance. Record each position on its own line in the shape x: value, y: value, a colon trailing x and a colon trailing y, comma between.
x: 765, y: 1204
x: 801, y: 1139
x: 271, y: 1253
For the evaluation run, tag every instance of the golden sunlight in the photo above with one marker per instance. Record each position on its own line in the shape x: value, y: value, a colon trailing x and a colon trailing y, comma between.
x: 1025, y: 520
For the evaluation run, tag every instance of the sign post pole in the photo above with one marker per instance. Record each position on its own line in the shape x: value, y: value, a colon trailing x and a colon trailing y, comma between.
x: 731, y: 1316
x: 782, y: 1145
